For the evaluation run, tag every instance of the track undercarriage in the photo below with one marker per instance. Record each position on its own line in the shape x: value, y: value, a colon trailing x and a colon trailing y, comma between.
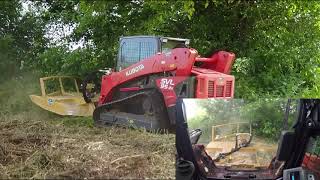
x: 143, y: 109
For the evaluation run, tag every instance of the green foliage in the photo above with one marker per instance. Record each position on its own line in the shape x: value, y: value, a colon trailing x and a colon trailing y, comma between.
x: 21, y: 38
x: 276, y: 42
x: 282, y: 50
x: 265, y: 115
x: 8, y: 17
x: 217, y: 112
x: 58, y: 60
x: 14, y: 94
x: 316, y: 148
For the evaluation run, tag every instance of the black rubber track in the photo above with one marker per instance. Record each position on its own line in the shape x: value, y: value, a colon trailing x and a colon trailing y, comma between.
x: 118, y: 112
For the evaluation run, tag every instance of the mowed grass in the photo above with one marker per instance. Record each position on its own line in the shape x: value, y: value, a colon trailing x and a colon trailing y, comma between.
x: 37, y: 144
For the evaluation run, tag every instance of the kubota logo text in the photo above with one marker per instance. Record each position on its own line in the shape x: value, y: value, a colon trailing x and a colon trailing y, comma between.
x: 134, y: 70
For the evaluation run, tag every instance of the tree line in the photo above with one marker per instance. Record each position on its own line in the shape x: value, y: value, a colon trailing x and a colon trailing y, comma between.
x: 276, y: 42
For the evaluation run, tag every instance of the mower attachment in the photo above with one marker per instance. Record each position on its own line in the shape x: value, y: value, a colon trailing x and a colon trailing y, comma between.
x: 232, y: 144
x: 63, y: 98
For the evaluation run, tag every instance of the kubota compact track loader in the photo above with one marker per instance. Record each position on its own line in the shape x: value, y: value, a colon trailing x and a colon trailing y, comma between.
x: 151, y: 73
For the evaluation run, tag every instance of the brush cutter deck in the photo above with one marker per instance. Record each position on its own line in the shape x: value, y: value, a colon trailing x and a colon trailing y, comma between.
x: 232, y: 145
x: 64, y: 98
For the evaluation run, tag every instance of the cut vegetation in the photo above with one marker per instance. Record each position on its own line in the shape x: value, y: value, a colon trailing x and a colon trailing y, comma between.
x: 37, y: 144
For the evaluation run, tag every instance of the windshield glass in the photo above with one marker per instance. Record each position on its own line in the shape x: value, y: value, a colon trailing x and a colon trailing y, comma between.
x: 171, y: 44
x: 238, y: 132
x: 133, y: 50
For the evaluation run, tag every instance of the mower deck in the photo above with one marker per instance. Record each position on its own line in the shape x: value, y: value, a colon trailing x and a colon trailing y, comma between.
x: 62, y: 102
x: 254, y: 154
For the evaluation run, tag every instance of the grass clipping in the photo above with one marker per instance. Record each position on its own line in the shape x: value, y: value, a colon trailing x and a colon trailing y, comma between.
x: 31, y: 148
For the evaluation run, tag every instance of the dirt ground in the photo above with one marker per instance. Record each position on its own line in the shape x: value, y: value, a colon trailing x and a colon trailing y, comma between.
x: 70, y: 148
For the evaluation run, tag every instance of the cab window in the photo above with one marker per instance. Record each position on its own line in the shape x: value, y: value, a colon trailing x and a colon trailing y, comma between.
x: 170, y: 44
x: 134, y: 50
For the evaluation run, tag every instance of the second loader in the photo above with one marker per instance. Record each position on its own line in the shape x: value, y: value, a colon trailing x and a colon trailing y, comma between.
x: 151, y: 73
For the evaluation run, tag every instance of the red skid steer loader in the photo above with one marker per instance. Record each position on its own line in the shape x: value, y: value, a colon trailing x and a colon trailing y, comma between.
x: 151, y: 73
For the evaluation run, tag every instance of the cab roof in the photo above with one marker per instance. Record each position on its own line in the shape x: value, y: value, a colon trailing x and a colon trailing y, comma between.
x: 161, y: 38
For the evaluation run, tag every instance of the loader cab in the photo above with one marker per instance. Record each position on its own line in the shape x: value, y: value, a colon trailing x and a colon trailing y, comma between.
x: 136, y: 48
x: 295, y: 157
